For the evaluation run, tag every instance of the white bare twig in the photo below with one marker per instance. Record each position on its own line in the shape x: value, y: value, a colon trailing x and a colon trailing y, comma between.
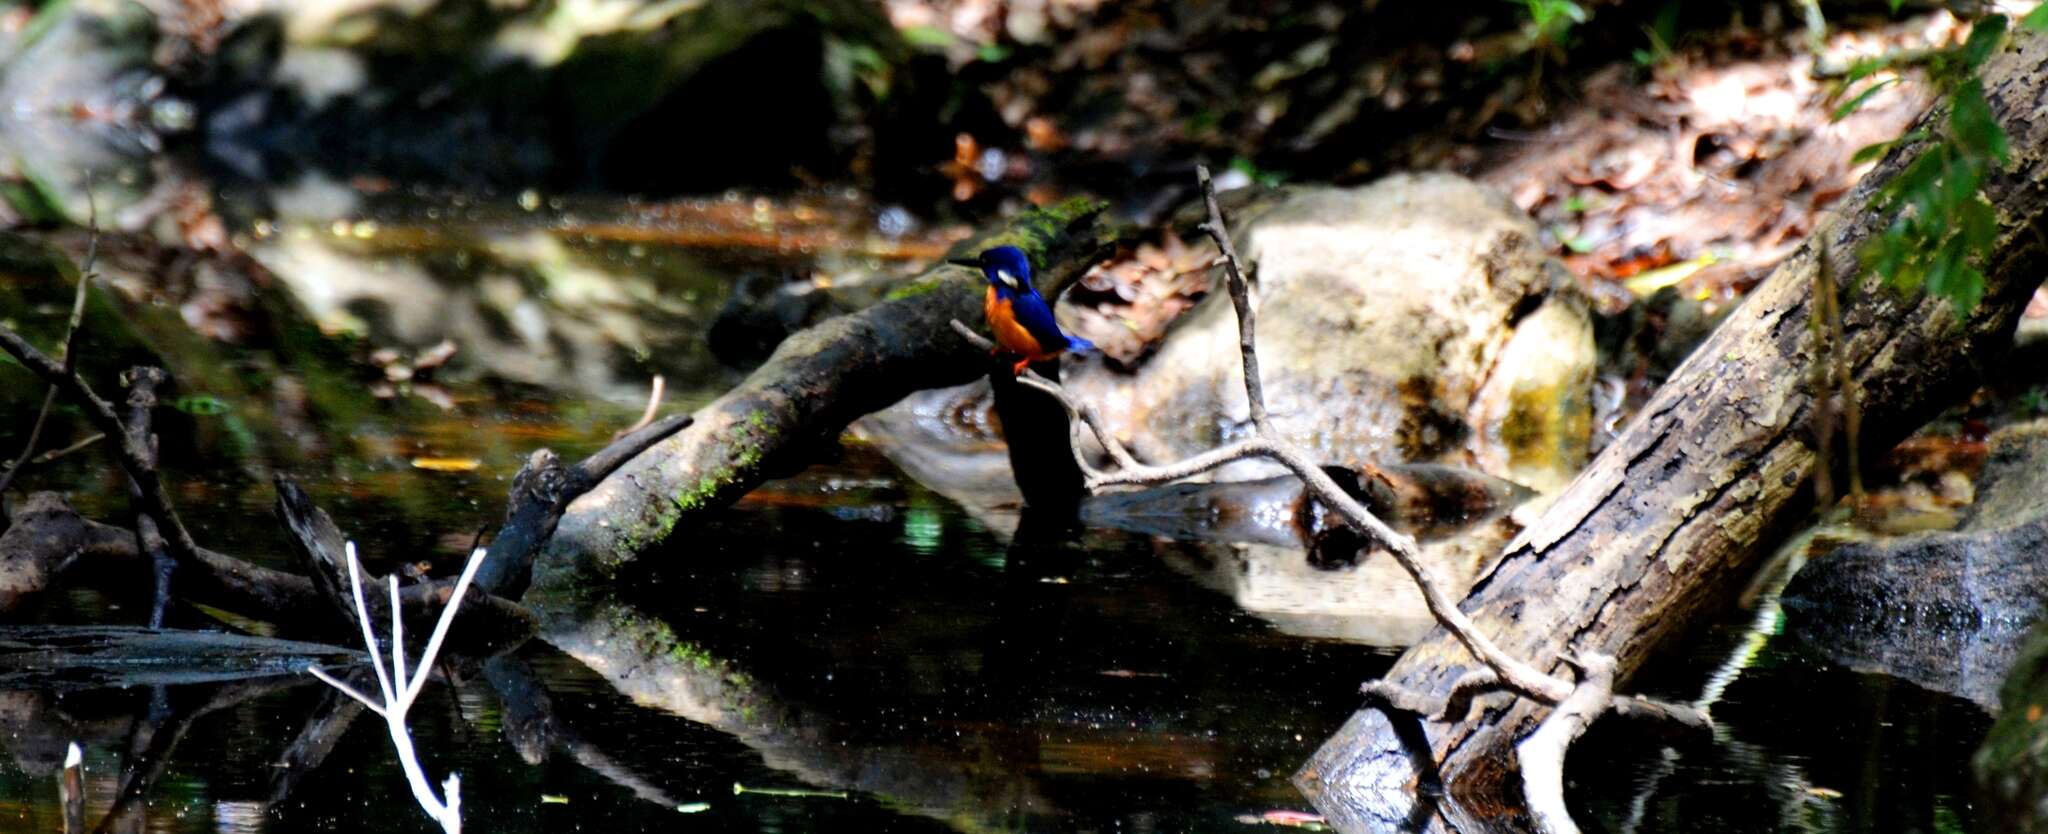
x: 398, y: 691
x: 1542, y: 753
x: 71, y: 790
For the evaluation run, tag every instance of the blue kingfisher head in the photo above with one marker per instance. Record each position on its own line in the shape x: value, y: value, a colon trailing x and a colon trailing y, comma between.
x: 1005, y: 267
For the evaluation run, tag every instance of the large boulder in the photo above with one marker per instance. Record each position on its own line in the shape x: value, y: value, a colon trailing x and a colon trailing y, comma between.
x: 1416, y: 319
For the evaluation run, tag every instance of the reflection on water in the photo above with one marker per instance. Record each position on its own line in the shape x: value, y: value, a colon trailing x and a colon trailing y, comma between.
x: 859, y: 652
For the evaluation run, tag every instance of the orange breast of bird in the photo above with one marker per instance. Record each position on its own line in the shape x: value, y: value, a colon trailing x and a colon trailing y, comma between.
x: 1009, y: 332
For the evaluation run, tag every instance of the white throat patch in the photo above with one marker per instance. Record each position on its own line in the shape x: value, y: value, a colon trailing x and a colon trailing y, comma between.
x: 1008, y: 280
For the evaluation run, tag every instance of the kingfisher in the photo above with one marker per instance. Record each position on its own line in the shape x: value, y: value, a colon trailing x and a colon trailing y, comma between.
x: 1020, y: 317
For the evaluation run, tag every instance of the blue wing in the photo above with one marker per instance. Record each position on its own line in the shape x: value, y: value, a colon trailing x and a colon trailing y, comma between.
x: 1032, y: 312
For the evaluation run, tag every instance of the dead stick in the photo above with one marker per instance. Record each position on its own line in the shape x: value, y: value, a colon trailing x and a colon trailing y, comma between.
x: 1542, y: 753
x: 142, y: 384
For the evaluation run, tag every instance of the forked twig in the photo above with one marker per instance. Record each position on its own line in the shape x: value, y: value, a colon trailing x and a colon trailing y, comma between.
x: 398, y: 691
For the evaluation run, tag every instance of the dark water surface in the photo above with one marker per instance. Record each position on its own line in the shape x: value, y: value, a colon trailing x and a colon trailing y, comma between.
x: 910, y: 669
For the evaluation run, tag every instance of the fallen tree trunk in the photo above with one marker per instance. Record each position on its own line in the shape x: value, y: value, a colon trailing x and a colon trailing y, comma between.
x: 817, y: 382
x: 1666, y: 523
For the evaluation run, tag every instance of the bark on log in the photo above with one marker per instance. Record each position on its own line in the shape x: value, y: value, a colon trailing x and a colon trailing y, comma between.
x: 541, y: 492
x: 817, y: 382
x: 1665, y: 524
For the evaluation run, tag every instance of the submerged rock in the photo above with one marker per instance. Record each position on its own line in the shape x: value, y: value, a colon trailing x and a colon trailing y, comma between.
x: 1945, y: 610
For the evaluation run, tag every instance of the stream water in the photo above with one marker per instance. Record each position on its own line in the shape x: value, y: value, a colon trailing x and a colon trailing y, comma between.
x: 927, y: 673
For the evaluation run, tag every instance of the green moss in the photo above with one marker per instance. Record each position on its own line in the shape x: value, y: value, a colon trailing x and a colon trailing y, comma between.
x: 747, y: 451
x: 1038, y: 232
x: 919, y: 287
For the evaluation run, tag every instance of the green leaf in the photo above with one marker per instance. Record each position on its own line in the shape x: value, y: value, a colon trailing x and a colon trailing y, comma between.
x: 1917, y: 175
x: 1979, y: 224
x: 1580, y: 244
x: 1946, y: 264
x: 1974, y: 126
x: 1860, y: 69
x: 1986, y: 35
x: 200, y: 405
x: 2036, y: 20
x: 1958, y: 186
x: 1856, y: 103
x: 1869, y: 152
x: 1967, y: 291
x: 929, y: 37
x: 1886, y: 255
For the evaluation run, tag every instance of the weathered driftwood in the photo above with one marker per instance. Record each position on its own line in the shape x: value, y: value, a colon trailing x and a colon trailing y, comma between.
x: 816, y: 383
x: 1664, y: 526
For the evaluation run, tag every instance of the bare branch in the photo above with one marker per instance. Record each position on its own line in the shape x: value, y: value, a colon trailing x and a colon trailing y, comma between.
x: 653, y: 407
x: 142, y: 384
x: 1453, y: 707
x: 1240, y: 297
x: 399, y: 691
x: 138, y: 462
x: 1542, y: 753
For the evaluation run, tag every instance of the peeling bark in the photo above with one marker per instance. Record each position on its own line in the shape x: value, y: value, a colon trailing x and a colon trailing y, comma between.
x: 1664, y: 526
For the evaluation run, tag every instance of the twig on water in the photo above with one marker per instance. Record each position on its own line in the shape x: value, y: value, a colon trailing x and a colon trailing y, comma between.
x: 398, y: 690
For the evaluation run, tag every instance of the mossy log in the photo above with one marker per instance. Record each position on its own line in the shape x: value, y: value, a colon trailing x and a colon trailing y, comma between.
x: 817, y: 382
x: 1665, y: 525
